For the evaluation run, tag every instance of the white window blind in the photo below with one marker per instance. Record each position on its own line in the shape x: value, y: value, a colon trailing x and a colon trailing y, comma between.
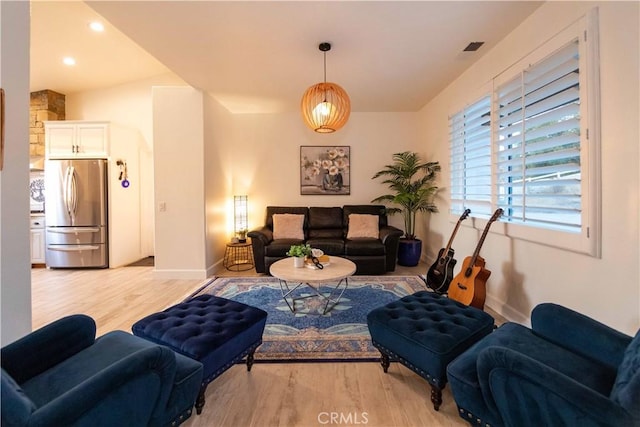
x: 470, y: 158
x: 537, y: 161
x: 540, y: 162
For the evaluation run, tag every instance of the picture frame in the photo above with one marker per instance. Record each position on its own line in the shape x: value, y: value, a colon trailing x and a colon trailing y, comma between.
x: 325, y: 170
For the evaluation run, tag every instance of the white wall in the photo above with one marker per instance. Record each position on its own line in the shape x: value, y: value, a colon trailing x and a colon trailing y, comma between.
x: 125, y: 210
x: 265, y: 160
x: 257, y: 155
x: 219, y: 188
x: 525, y: 274
x: 128, y: 109
x: 179, y: 160
x: 128, y: 105
x: 15, y: 266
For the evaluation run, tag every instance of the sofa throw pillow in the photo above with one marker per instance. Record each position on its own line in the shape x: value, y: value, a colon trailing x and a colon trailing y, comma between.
x: 288, y: 226
x: 361, y: 225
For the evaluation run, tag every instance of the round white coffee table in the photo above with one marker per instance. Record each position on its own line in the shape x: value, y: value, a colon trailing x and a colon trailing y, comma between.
x: 338, y: 270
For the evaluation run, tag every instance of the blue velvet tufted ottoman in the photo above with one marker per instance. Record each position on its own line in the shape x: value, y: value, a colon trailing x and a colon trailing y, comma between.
x: 425, y: 331
x: 215, y: 331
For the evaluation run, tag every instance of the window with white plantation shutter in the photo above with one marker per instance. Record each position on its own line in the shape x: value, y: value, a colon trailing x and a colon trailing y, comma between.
x: 470, y: 158
x: 538, y: 143
x: 533, y: 147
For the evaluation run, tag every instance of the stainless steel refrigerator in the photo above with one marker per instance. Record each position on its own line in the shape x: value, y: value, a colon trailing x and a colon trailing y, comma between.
x: 76, y: 213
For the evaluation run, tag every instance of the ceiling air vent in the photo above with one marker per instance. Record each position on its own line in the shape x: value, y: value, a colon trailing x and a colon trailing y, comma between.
x: 473, y: 46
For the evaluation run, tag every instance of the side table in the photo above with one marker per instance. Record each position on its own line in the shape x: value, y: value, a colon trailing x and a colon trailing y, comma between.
x: 238, y: 257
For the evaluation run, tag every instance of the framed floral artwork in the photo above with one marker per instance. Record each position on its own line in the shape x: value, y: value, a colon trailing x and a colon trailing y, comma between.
x: 325, y: 170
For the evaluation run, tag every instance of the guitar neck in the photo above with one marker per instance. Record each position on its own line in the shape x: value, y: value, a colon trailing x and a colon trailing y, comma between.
x: 474, y: 257
x: 476, y: 253
x: 453, y: 235
x: 464, y: 216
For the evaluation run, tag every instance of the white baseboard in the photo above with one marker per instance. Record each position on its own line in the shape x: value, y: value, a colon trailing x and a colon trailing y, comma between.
x: 212, y: 269
x: 508, y: 312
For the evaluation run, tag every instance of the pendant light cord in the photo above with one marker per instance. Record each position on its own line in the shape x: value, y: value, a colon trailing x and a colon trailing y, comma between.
x: 325, y: 66
x: 325, y: 75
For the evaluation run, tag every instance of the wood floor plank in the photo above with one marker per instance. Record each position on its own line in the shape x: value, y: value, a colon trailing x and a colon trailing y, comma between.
x: 115, y: 298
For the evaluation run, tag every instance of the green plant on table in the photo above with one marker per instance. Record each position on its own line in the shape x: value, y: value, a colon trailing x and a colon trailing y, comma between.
x: 299, y: 250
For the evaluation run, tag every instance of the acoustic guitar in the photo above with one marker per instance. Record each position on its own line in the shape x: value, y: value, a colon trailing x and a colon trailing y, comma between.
x: 440, y: 273
x: 469, y: 285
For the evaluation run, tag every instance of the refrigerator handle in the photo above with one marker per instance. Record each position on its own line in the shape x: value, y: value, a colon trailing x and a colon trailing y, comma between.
x: 70, y: 190
x: 72, y: 248
x: 67, y: 190
x: 73, y: 230
x: 74, y: 192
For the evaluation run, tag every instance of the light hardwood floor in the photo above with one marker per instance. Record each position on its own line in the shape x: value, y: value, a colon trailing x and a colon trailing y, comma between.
x: 272, y: 394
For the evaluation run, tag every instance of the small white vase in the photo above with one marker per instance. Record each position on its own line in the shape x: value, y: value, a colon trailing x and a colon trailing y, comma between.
x: 298, y: 261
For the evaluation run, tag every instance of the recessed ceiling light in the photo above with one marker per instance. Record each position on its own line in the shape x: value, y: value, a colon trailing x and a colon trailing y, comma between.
x: 67, y: 60
x: 96, y: 26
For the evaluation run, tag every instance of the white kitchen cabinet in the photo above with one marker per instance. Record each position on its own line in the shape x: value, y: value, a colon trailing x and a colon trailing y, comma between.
x: 76, y: 139
x: 37, y: 239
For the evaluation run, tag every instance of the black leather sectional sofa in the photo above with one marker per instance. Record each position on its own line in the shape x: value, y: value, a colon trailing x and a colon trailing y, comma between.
x: 326, y: 228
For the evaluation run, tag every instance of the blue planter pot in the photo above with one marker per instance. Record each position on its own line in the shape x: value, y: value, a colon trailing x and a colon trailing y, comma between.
x: 409, y: 252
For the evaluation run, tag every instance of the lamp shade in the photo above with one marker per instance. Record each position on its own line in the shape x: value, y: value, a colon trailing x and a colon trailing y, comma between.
x: 240, y: 216
x: 325, y: 107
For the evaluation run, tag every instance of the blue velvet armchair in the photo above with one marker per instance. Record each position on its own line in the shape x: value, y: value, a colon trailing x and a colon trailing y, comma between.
x: 568, y: 370
x: 61, y: 375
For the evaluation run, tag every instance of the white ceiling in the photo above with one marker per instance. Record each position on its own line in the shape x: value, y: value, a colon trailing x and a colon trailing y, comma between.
x: 60, y: 28
x: 260, y: 56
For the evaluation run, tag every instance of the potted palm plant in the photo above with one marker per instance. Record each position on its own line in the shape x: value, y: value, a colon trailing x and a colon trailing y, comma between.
x: 411, y: 181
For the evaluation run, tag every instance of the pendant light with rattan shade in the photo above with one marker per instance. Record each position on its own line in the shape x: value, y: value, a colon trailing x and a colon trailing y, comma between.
x: 325, y: 106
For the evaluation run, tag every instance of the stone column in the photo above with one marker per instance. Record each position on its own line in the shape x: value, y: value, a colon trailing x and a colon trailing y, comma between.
x: 45, y: 105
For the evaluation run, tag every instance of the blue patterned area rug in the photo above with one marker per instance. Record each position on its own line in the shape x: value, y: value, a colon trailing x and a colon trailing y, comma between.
x: 339, y: 335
